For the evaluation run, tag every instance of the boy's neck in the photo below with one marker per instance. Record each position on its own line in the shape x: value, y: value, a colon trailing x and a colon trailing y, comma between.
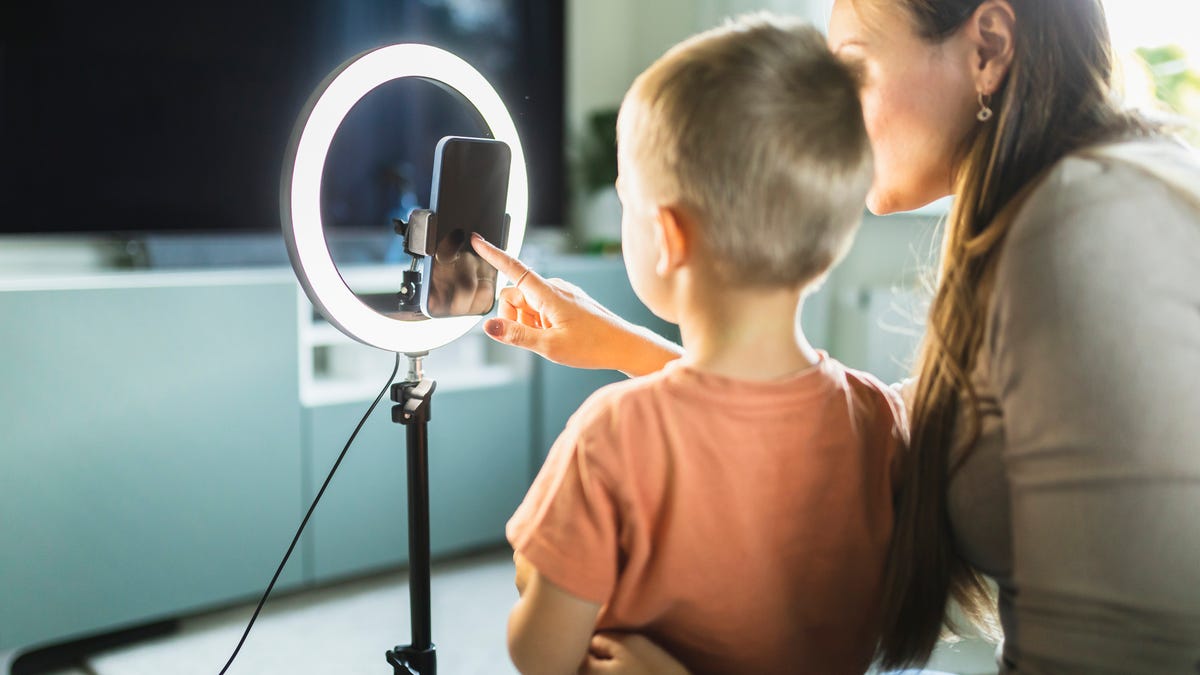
x: 745, y: 333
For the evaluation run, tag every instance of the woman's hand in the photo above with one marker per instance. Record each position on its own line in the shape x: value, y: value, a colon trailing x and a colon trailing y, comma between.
x: 559, y: 321
x: 628, y: 654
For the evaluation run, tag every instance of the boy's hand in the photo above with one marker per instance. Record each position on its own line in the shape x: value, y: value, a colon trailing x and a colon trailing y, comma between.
x: 562, y: 323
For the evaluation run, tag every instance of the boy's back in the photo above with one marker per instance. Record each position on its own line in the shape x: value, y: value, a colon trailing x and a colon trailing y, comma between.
x: 742, y: 525
x: 736, y: 508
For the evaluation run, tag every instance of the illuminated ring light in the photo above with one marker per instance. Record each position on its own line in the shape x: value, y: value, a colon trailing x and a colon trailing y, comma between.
x: 304, y: 165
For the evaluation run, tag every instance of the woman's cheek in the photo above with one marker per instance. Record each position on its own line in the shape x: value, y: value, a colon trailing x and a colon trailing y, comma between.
x: 877, y: 125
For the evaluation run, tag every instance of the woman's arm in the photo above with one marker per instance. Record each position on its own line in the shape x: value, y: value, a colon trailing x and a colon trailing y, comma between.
x: 563, y: 324
x: 628, y: 654
x: 1095, y: 344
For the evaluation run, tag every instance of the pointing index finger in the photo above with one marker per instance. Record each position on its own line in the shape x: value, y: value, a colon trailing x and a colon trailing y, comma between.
x: 507, y: 265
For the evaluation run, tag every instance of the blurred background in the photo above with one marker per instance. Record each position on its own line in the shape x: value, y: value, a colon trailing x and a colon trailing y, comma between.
x: 170, y: 401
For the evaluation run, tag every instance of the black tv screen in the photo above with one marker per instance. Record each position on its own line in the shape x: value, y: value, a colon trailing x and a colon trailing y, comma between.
x: 139, y: 116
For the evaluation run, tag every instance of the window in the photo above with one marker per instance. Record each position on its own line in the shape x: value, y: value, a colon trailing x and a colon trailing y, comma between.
x: 1159, y: 50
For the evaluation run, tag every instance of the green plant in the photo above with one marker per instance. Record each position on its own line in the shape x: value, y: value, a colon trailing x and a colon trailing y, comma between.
x: 598, y: 159
x: 1176, y: 83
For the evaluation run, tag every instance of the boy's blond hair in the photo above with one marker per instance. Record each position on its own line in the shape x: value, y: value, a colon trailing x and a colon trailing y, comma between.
x: 756, y: 130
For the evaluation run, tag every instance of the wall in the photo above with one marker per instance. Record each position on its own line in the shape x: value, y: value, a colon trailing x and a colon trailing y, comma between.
x: 610, y: 42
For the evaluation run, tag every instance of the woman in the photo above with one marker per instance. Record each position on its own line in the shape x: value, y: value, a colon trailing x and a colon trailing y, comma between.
x: 1055, y: 410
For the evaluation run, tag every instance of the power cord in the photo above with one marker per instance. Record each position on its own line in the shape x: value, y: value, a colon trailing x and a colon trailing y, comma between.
x: 308, y: 515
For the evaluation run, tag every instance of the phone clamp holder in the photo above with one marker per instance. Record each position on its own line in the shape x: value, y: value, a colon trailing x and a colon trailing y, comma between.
x: 413, y: 398
x: 421, y: 240
x: 419, y: 233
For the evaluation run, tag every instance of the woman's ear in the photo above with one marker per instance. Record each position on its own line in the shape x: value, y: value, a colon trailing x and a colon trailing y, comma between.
x: 672, y: 234
x: 991, y: 29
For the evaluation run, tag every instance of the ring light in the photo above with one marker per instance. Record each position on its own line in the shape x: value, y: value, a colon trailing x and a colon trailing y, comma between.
x: 303, y: 230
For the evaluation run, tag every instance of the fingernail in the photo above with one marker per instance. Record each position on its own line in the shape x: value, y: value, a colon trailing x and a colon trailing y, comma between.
x: 493, y: 327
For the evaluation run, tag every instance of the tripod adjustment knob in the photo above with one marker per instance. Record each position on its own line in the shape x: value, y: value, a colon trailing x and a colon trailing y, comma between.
x: 414, y: 401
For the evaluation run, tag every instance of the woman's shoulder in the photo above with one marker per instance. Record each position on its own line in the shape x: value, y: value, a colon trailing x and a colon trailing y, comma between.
x: 1157, y: 178
x: 1110, y: 233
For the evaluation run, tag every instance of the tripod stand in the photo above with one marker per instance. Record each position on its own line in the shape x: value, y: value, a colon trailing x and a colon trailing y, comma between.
x: 413, y: 397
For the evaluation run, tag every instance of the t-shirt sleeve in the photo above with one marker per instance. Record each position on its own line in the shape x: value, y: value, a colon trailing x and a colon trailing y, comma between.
x: 567, y: 526
x: 1094, y: 353
x: 891, y: 419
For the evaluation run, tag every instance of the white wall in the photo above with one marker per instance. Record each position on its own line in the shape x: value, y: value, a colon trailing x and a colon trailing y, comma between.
x: 609, y: 42
x: 712, y: 11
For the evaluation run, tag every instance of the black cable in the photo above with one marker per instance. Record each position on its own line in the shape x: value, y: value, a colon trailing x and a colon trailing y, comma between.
x: 308, y: 515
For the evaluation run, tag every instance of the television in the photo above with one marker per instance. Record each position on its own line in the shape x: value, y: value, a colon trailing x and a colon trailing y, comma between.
x: 134, y: 117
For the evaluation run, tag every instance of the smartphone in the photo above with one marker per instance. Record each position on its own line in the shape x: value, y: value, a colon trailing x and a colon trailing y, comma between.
x: 469, y: 194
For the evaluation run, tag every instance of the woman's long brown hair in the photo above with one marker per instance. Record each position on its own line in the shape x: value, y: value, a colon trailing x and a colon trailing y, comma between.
x: 1056, y: 98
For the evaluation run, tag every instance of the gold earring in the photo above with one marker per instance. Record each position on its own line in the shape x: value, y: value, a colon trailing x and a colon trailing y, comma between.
x: 985, y: 110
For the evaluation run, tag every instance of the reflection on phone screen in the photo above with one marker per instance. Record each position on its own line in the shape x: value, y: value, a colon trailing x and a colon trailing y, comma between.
x: 470, y: 192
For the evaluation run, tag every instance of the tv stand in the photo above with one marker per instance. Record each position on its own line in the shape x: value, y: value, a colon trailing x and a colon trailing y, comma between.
x: 168, y: 478
x: 192, y: 251
x: 241, y: 249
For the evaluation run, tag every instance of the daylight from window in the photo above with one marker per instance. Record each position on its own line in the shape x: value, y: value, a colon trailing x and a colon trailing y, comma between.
x: 1158, y: 44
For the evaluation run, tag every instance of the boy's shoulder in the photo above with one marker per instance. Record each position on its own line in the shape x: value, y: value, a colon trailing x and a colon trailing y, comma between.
x: 882, y: 398
x: 864, y: 381
x: 881, y: 408
x: 618, y: 403
x: 607, y: 430
x: 640, y: 399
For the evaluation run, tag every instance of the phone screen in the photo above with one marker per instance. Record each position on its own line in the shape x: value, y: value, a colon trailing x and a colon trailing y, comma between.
x: 470, y: 194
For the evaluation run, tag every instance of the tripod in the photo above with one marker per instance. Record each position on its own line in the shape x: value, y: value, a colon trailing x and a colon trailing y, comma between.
x: 412, y: 409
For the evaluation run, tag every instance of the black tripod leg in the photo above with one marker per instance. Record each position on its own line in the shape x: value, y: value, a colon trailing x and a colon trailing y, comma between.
x: 413, y: 411
x: 418, y: 534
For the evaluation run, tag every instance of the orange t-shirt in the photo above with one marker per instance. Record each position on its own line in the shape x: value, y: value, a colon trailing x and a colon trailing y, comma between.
x: 741, y: 525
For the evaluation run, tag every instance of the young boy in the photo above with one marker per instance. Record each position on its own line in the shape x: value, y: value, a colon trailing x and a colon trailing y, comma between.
x: 736, y: 507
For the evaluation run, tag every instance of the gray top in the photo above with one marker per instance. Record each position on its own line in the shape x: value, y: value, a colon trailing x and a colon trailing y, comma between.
x: 1082, y: 499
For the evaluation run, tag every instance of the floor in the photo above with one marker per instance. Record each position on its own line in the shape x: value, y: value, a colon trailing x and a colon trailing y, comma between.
x: 342, y: 629
x: 346, y: 629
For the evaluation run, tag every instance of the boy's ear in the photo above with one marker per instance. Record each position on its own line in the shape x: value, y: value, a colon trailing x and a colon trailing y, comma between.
x: 672, y: 239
